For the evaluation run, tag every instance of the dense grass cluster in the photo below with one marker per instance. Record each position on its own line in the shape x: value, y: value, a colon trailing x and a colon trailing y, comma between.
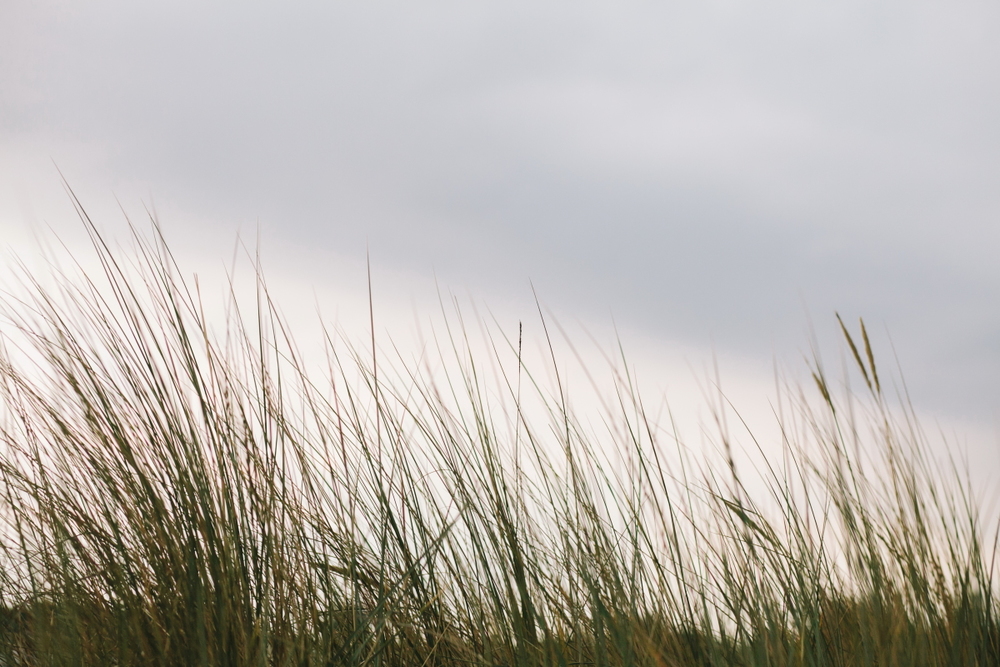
x: 175, y: 493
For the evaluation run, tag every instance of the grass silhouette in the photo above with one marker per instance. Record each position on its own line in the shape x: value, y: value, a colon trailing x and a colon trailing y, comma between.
x: 178, y: 494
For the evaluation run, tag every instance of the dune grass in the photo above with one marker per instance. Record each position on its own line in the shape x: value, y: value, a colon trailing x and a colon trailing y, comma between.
x: 178, y: 493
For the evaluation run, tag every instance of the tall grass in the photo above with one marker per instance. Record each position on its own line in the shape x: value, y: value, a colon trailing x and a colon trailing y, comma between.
x: 175, y: 493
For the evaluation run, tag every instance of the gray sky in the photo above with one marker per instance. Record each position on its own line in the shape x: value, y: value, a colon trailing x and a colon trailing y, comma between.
x: 707, y: 172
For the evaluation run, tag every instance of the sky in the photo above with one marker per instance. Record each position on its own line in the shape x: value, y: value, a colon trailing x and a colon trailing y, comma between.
x: 716, y: 177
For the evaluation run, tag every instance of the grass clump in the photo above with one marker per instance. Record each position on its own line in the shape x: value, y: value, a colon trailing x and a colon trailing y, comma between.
x: 174, y: 494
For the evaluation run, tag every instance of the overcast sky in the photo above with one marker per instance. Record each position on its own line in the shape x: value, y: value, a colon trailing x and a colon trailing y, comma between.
x: 712, y: 173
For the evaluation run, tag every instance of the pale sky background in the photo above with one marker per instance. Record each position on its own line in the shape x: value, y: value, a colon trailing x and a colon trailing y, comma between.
x: 710, y: 174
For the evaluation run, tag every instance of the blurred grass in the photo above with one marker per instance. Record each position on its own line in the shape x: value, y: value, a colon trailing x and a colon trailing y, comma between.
x: 175, y: 494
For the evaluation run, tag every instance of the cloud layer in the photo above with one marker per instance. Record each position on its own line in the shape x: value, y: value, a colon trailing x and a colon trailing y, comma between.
x: 705, y: 171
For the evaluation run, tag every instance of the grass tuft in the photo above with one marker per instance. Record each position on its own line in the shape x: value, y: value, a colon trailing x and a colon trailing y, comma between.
x: 175, y: 493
